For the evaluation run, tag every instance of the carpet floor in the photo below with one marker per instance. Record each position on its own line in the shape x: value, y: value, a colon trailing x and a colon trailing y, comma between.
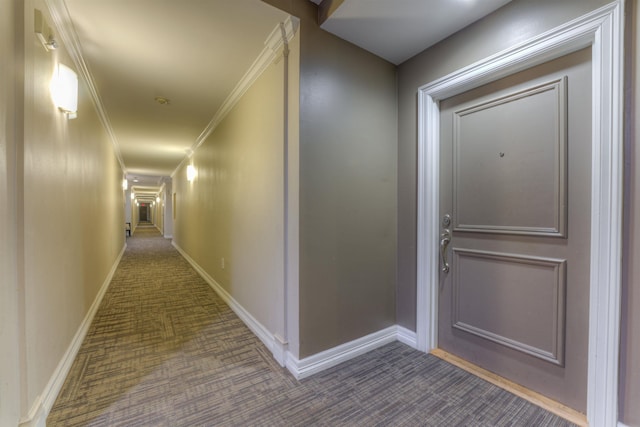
x: 165, y: 350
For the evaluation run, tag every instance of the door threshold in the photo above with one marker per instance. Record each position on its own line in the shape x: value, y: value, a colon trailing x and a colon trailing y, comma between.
x: 536, y: 398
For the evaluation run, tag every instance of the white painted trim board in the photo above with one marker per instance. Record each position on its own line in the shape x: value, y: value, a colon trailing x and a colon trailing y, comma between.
x: 407, y: 337
x: 601, y: 29
x: 336, y: 355
x: 43, y: 404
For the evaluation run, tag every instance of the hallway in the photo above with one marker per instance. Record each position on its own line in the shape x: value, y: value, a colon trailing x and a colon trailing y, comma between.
x: 296, y: 172
x: 165, y: 350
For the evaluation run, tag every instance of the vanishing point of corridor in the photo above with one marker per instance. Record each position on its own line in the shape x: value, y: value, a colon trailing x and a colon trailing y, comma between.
x: 165, y: 350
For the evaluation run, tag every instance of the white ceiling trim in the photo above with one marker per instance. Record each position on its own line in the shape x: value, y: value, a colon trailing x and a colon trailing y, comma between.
x: 281, y: 35
x: 63, y: 25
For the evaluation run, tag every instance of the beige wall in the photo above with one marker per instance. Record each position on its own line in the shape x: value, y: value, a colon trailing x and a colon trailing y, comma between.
x: 127, y: 204
x: 10, y: 390
x: 234, y: 208
x: 73, y: 215
x: 347, y: 187
x: 158, y: 218
x: 135, y: 213
x: 168, y: 209
x: 514, y: 23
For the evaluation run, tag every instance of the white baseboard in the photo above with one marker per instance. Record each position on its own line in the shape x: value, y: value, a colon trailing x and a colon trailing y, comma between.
x: 280, y: 349
x: 254, y: 325
x: 407, y: 337
x: 621, y: 425
x: 37, y: 416
x: 168, y: 236
x: 40, y: 410
x: 336, y: 355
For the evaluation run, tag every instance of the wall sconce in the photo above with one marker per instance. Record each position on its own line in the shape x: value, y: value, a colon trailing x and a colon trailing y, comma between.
x: 125, y: 184
x: 64, y: 90
x: 133, y: 196
x: 158, y: 199
x: 191, y: 173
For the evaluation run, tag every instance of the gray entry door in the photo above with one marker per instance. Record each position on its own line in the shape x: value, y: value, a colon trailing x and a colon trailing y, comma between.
x: 515, y: 208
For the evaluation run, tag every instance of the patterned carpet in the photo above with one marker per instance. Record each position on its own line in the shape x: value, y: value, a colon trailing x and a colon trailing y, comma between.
x: 164, y: 350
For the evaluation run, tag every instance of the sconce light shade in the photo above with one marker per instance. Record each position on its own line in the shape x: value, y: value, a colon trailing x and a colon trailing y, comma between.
x: 158, y: 199
x: 64, y: 90
x: 125, y: 184
x: 133, y: 196
x: 191, y: 173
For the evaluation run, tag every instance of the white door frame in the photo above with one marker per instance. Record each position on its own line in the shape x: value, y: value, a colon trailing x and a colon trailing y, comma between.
x: 601, y: 29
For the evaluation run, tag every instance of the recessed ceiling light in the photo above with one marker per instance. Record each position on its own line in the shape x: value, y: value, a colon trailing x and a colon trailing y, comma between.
x: 162, y: 100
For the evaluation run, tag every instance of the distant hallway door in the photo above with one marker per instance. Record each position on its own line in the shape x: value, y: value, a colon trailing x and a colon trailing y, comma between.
x: 142, y: 213
x: 515, y: 198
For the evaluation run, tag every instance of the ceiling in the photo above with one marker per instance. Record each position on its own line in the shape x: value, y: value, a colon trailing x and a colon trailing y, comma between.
x: 397, y: 30
x: 194, y: 52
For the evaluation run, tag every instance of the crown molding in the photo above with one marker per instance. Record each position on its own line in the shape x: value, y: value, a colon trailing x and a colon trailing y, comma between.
x: 279, y: 37
x: 275, y: 42
x: 64, y: 27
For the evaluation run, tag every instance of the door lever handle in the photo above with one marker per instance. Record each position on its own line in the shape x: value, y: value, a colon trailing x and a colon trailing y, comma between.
x: 445, y: 239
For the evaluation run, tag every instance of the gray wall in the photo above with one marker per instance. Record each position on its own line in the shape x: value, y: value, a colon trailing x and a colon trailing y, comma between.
x: 630, y: 351
x: 347, y: 187
x: 514, y: 23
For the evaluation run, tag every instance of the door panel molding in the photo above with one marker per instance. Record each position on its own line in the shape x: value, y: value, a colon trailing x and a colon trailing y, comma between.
x: 503, y: 154
x: 602, y: 30
x: 515, y: 319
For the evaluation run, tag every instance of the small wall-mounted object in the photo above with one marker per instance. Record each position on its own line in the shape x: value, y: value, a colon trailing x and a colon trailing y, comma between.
x: 125, y: 184
x: 191, y: 173
x: 64, y: 90
x: 158, y: 199
x: 162, y: 100
x: 43, y: 31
